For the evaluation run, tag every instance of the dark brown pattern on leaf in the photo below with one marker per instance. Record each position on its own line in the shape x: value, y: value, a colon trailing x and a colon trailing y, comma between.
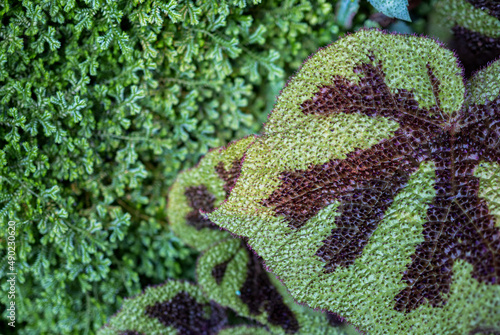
x: 474, y: 49
x: 260, y: 295
x: 199, y: 198
x: 229, y: 176
x: 459, y: 225
x: 188, y: 316
x: 218, y: 271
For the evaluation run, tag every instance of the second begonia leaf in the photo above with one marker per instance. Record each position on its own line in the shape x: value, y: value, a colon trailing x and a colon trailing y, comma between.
x: 201, y: 189
x: 474, y: 27
x: 233, y: 275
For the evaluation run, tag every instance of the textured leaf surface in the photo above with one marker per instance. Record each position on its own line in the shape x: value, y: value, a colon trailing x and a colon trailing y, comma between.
x: 227, y: 271
x: 371, y: 193
x: 234, y: 276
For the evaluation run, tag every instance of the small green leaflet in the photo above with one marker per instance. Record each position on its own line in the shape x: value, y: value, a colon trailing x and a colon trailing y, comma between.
x: 346, y: 9
x: 392, y: 8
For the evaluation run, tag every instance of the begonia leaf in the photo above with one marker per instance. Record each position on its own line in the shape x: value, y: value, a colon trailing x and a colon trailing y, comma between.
x: 372, y: 192
x: 175, y: 307
x: 202, y: 189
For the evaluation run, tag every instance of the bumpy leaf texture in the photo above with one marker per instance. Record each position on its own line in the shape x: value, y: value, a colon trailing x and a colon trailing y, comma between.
x: 475, y: 28
x: 181, y: 308
x: 373, y: 192
x: 233, y: 275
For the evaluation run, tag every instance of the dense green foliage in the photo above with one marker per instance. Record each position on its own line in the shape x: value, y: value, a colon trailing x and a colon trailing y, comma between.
x: 102, y: 102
